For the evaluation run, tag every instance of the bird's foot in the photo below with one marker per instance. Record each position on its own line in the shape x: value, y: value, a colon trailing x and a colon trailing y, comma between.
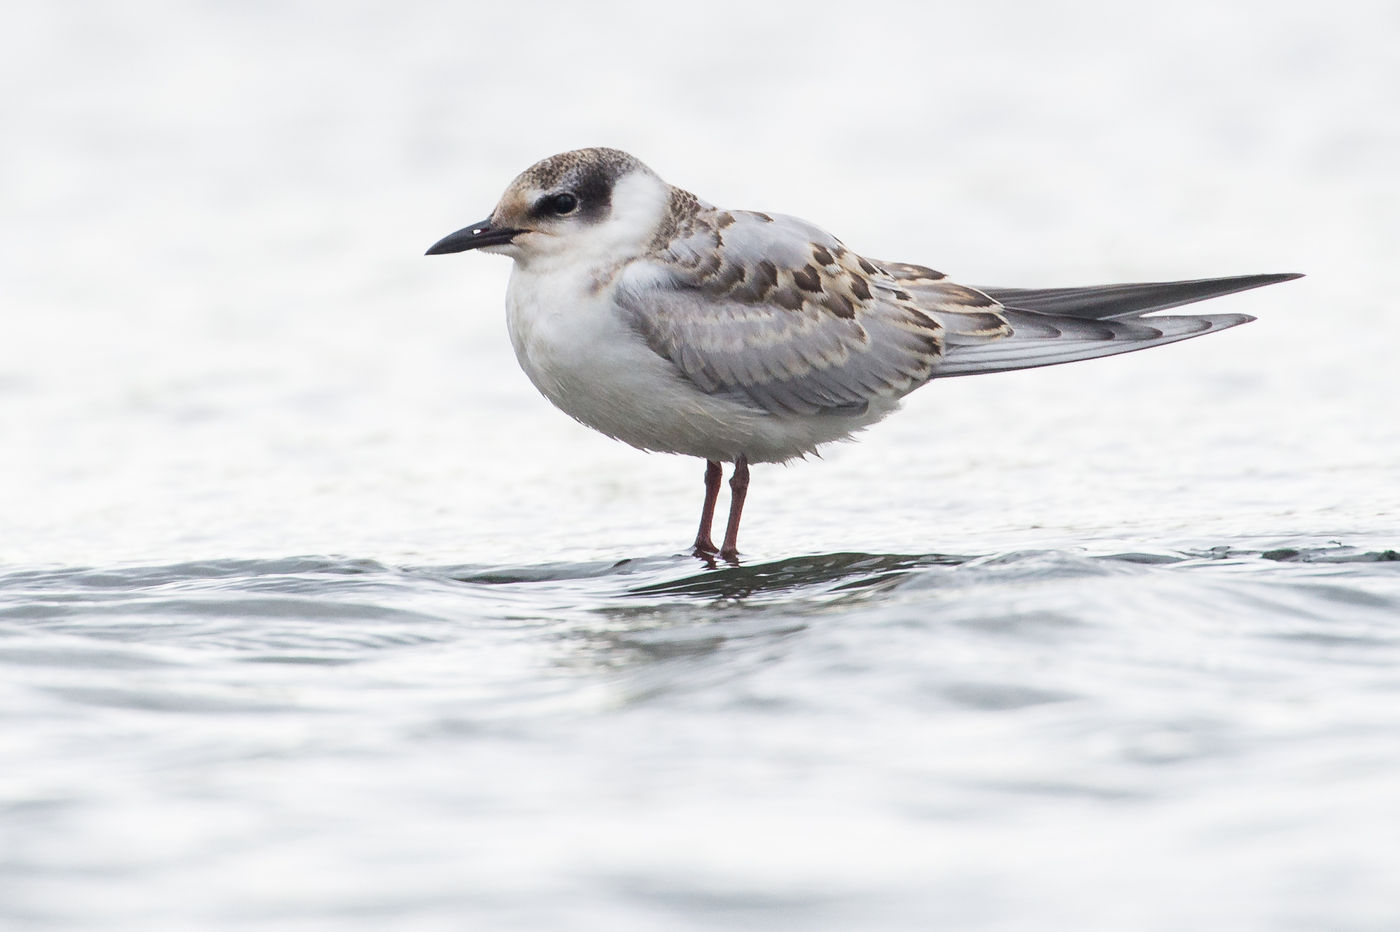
x: 704, y: 550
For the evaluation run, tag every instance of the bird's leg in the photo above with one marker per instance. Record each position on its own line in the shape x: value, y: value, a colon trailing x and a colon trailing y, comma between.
x: 738, y: 488
x: 704, y: 546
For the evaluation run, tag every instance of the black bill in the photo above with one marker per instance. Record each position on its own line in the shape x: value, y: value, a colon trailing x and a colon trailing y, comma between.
x: 475, y: 236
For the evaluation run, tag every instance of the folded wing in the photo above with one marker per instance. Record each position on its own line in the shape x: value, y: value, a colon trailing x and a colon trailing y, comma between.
x: 779, y: 314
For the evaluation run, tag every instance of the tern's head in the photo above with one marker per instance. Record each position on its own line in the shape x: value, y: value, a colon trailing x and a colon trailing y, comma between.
x: 589, y: 205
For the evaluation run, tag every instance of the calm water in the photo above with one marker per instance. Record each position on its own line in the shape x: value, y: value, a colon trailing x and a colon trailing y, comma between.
x: 314, y: 616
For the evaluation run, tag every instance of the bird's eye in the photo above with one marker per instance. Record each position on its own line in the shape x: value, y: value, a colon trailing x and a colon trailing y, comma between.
x: 561, y: 204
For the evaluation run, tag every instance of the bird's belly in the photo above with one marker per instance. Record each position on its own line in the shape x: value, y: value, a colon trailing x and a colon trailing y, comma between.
x: 583, y: 357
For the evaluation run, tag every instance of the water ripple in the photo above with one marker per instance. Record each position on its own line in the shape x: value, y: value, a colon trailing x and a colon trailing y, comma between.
x: 894, y: 691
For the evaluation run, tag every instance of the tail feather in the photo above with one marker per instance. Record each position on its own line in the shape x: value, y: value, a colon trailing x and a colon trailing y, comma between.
x: 1050, y: 326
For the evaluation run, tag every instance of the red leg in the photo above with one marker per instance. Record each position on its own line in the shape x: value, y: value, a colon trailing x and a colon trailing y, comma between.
x: 704, y: 545
x: 738, y: 488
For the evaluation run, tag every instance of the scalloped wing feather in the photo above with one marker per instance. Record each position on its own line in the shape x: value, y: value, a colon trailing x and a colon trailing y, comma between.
x: 773, y: 310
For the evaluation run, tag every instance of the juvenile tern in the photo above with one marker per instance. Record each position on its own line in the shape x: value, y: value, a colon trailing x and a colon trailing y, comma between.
x: 746, y: 337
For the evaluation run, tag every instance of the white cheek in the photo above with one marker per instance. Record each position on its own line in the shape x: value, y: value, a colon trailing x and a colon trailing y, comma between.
x: 638, y: 203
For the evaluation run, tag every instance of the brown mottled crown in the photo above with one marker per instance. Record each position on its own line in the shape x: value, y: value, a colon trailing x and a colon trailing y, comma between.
x: 610, y: 163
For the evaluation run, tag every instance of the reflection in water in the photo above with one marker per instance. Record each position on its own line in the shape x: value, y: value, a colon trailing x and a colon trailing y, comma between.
x: 837, y: 571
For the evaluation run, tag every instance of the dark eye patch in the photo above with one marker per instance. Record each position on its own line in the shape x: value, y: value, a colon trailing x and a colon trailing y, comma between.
x: 558, y: 205
x: 583, y: 193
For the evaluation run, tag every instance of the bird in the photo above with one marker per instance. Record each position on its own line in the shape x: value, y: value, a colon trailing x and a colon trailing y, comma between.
x: 743, y: 337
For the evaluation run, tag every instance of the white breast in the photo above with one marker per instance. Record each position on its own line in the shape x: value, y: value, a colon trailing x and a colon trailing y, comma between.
x: 577, y: 347
x: 580, y: 353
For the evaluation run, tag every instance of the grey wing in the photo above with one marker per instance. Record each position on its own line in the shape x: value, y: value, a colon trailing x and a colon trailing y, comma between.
x: 777, y: 313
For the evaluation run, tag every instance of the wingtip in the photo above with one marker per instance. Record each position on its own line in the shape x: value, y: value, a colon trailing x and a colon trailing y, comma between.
x: 1246, y: 282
